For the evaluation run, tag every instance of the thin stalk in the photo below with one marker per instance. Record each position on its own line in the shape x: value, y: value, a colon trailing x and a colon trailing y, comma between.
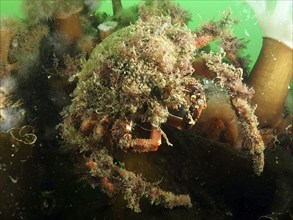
x: 117, y: 6
x: 270, y: 78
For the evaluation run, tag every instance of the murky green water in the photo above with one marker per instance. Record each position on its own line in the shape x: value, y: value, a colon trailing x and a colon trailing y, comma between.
x: 38, y: 179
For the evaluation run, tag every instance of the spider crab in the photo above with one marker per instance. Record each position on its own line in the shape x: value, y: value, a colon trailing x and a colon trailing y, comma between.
x: 141, y: 74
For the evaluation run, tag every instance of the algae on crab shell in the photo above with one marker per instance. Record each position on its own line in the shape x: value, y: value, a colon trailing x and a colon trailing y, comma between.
x: 121, y: 92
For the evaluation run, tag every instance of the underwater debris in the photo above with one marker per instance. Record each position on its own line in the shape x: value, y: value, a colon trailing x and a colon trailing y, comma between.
x: 24, y: 134
x: 15, y: 169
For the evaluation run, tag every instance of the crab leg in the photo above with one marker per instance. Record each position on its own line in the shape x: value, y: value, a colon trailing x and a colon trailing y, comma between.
x: 146, y: 145
x: 204, y: 40
x: 175, y: 121
x: 184, y: 123
x: 121, y: 132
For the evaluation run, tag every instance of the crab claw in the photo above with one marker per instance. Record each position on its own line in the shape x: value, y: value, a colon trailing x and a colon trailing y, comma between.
x: 197, y: 100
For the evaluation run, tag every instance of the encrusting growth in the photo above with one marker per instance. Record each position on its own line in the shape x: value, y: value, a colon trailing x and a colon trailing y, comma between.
x: 134, y: 76
x: 113, y: 179
x: 143, y: 75
x: 213, y: 30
